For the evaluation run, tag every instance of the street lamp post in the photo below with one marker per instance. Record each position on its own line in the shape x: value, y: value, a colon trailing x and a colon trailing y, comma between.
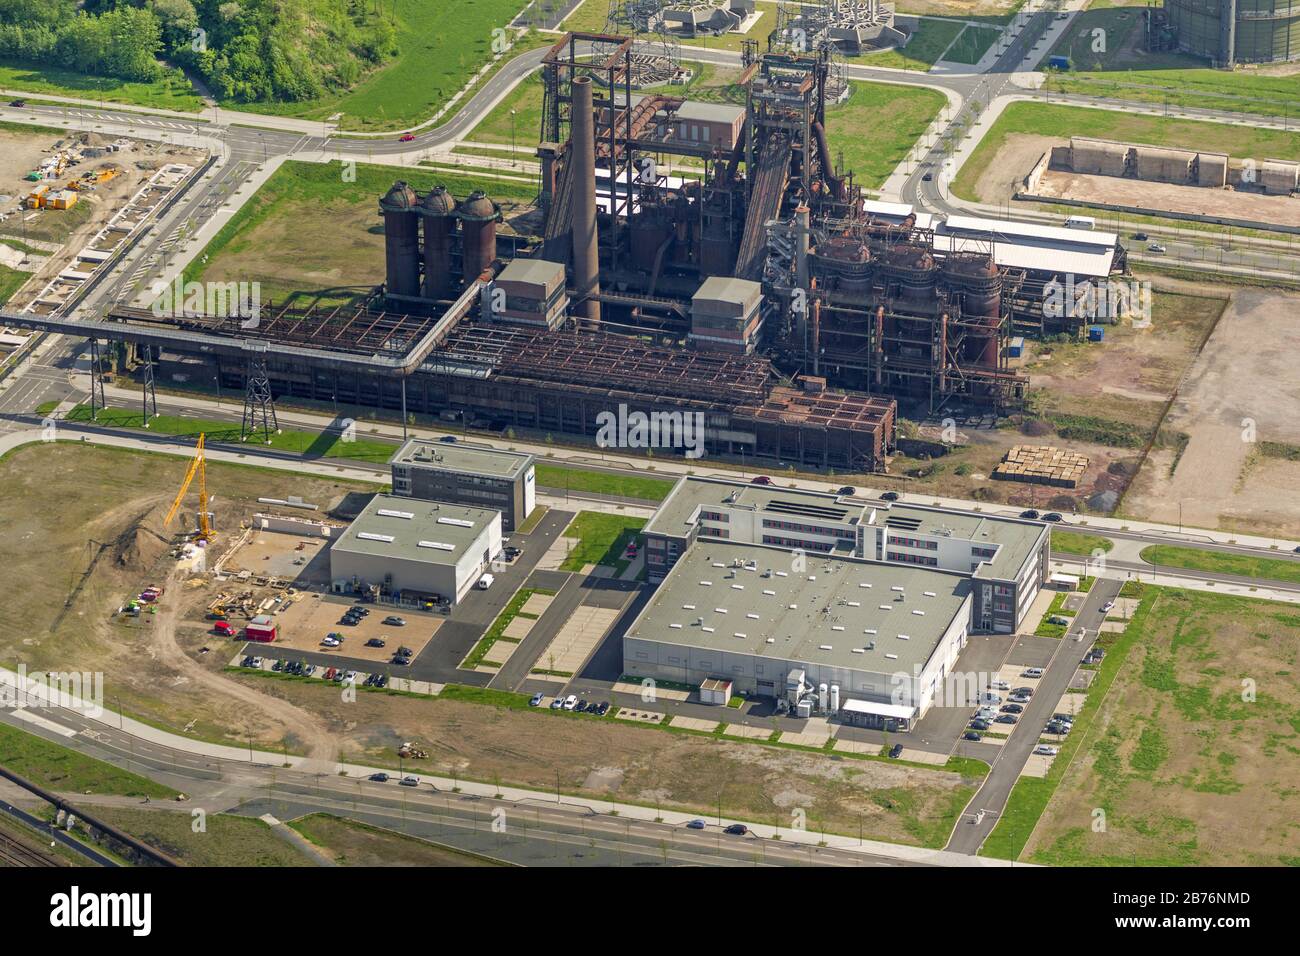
x: 514, y: 161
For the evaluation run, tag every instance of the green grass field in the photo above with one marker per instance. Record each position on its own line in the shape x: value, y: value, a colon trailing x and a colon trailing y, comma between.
x: 1194, y: 559
x: 1189, y: 760
x: 441, y: 45
x: 172, y: 92
x: 602, y: 539
x: 877, y: 125
x: 67, y: 771
x: 1074, y: 542
x: 11, y: 280
x: 225, y: 840
x: 603, y: 483
x: 925, y: 48
x: 263, y: 241
x: 1040, y: 119
x: 307, y: 444
x: 972, y: 44
x: 357, y: 844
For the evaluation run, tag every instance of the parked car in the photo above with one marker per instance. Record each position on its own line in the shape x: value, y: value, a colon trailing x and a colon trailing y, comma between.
x: 376, y: 642
x: 580, y: 707
x: 394, y: 621
x: 348, y: 621
x: 1023, y: 691
x: 535, y: 700
x: 991, y: 698
x: 400, y: 660
x: 485, y: 582
x: 896, y: 751
x: 1105, y: 608
x: 1063, y: 718
x: 695, y: 824
x: 1046, y: 750
x: 1005, y: 719
x: 1000, y: 685
x: 329, y: 642
x: 379, y: 777
x: 978, y: 724
x: 1012, y: 709
x: 848, y: 490
x: 1053, y: 516
x: 1031, y: 513
x: 277, y: 666
x: 889, y: 496
x: 512, y: 552
x: 557, y: 703
x: 331, y: 673
x: 760, y: 480
x: 409, y: 781
x: 570, y: 702
x: 602, y: 708
x: 223, y: 628
x: 737, y: 829
x: 1031, y: 672
x: 971, y: 735
x: 359, y: 609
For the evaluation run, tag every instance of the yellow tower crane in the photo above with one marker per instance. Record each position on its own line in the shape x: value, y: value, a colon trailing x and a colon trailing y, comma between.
x: 197, y: 467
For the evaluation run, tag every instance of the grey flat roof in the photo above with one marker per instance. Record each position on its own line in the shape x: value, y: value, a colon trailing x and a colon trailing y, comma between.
x: 429, y: 531
x: 465, y: 458
x: 1016, y: 536
x: 710, y: 112
x: 691, y: 493
x: 543, y: 272
x: 834, y: 608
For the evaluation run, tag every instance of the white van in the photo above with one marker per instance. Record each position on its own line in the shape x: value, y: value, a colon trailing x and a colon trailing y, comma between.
x: 485, y: 582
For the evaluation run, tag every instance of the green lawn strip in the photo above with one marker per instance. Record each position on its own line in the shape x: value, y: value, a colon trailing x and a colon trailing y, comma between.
x: 561, y: 478
x: 1030, y: 795
x: 225, y: 840
x: 67, y: 771
x: 533, y: 520
x: 972, y: 44
x: 1195, y: 559
x: 602, y: 540
x: 479, y: 654
x: 307, y: 444
x: 923, y: 50
x: 338, y: 834
x: 296, y: 184
x: 1234, y: 92
x: 1046, y: 119
x: 171, y: 92
x: 875, y: 127
x: 1074, y: 542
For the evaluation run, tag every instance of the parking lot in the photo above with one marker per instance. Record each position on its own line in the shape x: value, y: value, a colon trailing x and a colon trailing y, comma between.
x: 312, y: 616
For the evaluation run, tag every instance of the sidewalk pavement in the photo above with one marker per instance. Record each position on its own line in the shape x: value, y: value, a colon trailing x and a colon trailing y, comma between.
x: 41, y: 695
x: 665, y: 468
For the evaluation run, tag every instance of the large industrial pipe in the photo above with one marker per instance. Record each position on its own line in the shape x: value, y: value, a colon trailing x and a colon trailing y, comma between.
x: 801, y: 246
x: 816, y: 336
x: 582, y: 154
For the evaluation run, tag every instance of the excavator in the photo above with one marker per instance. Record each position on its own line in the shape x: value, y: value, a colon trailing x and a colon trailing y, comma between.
x: 197, y: 467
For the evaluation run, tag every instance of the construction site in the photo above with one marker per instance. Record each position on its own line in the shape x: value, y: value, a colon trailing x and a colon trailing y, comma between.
x: 770, y: 295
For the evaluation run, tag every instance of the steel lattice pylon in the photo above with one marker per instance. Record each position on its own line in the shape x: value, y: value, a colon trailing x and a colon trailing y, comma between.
x: 259, y: 404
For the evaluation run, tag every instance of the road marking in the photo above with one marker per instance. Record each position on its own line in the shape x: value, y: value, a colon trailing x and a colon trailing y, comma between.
x: 40, y: 721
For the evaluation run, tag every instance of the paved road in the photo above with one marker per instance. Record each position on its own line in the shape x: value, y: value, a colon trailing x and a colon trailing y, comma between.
x: 1006, y: 768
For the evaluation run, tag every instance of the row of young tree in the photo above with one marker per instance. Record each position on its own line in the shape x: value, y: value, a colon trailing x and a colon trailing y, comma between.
x: 246, y: 50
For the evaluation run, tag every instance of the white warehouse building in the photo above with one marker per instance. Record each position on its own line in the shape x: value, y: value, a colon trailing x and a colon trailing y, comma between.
x: 868, y: 641
x: 416, y: 551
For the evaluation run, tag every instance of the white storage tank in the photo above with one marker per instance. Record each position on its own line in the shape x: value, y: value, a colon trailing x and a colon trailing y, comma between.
x: 835, y: 698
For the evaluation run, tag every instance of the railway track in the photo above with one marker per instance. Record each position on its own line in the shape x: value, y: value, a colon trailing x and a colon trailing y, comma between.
x: 13, y: 853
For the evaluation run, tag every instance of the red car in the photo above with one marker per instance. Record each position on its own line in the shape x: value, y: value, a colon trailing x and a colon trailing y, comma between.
x: 407, y: 138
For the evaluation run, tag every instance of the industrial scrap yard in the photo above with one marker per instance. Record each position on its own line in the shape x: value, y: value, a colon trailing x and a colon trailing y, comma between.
x: 667, y: 469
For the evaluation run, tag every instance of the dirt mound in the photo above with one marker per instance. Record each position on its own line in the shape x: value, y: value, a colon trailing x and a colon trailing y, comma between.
x: 139, y: 546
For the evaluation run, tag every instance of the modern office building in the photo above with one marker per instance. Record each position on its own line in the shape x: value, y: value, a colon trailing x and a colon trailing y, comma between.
x: 416, y: 551
x: 1005, y: 558
x: 869, y: 642
x: 467, y: 474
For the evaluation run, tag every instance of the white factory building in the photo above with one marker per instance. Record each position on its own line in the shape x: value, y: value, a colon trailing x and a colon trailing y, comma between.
x: 415, y: 551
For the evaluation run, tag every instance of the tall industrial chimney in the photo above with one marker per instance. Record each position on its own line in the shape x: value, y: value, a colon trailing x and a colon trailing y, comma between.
x: 582, y: 154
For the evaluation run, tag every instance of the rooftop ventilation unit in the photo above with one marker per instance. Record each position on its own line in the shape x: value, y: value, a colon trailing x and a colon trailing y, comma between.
x: 440, y: 545
x: 458, y: 522
x: 389, y: 513
x: 371, y: 536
